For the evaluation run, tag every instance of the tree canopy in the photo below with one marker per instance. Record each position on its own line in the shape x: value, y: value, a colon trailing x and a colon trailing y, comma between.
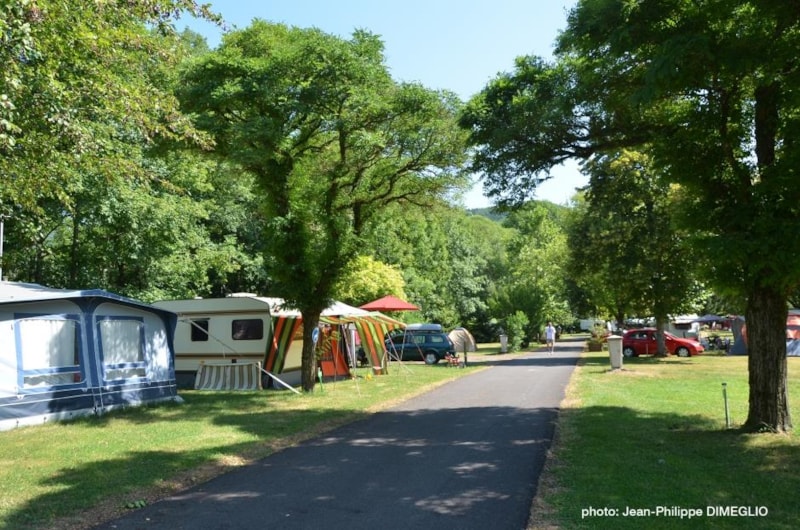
x: 710, y: 88
x: 627, y: 254
x: 330, y: 138
x: 111, y: 198
x: 85, y: 99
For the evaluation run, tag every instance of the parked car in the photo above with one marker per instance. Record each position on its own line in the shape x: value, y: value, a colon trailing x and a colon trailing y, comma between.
x: 420, y: 342
x: 637, y: 342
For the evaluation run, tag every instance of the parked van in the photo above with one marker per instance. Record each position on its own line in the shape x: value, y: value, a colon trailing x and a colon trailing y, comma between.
x: 420, y: 342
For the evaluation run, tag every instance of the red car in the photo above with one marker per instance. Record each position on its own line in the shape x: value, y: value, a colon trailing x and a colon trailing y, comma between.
x: 637, y: 342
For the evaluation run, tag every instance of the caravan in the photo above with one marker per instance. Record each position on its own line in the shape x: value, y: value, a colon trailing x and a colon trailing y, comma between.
x: 67, y: 353
x: 234, y: 342
x: 228, y: 336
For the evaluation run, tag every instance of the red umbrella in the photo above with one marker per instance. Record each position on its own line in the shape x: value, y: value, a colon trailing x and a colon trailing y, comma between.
x: 389, y: 303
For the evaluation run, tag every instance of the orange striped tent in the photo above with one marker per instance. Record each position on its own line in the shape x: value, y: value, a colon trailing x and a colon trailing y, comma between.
x: 286, y: 327
x: 284, y: 330
x: 370, y: 326
x: 371, y: 329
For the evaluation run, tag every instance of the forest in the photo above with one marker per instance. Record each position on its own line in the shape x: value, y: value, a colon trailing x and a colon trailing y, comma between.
x: 113, y: 180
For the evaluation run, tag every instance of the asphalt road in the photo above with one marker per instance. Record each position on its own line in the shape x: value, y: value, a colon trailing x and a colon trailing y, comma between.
x: 465, y: 455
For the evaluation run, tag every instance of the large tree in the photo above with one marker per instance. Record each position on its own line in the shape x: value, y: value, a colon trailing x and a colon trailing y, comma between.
x: 535, y: 284
x: 712, y: 86
x: 79, y: 86
x: 84, y: 100
x: 625, y: 250
x: 330, y: 138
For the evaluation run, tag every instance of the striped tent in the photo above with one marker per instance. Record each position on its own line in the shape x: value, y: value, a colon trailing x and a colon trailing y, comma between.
x: 371, y: 329
x: 370, y: 326
x: 284, y: 329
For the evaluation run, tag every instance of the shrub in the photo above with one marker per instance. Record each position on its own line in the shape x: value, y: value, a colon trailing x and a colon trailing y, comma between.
x: 515, y: 329
x: 595, y: 344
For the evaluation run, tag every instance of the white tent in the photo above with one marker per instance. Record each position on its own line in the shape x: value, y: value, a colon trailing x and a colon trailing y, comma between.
x: 462, y: 340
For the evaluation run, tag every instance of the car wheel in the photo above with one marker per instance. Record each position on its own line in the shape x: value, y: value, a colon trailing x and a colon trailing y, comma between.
x: 628, y: 352
x: 682, y: 351
x: 431, y: 357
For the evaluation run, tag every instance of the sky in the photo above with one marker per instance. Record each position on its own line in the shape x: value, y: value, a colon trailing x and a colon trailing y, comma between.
x: 457, y: 45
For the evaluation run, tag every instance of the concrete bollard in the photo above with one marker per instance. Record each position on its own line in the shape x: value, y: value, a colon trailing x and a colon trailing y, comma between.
x: 615, y: 351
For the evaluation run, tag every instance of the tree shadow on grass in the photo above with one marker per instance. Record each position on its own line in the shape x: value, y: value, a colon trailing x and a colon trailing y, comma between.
x: 622, y: 458
x: 104, y: 488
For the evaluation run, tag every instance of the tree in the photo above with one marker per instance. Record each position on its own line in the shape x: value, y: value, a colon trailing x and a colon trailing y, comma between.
x: 446, y: 257
x: 82, y: 104
x: 626, y: 251
x: 516, y: 325
x: 79, y: 86
x: 489, y: 240
x: 89, y: 201
x: 711, y: 87
x: 330, y: 138
x: 534, y: 283
x: 15, y: 26
x: 365, y: 279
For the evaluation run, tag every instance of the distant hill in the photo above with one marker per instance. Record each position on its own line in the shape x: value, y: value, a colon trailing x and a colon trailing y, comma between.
x: 556, y: 209
x: 490, y: 213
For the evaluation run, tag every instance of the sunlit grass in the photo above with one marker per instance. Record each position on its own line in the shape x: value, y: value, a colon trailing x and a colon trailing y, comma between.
x: 655, y: 435
x: 59, y: 469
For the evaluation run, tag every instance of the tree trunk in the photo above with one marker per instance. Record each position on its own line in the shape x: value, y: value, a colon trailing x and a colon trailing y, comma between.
x: 765, y: 318
x: 74, y: 247
x: 661, y: 344
x: 308, y: 369
x: 620, y: 316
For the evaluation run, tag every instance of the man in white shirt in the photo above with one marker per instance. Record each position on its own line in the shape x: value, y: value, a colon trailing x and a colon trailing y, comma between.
x: 550, y: 337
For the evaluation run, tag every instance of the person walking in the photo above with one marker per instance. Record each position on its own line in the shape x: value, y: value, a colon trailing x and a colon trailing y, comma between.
x: 550, y: 337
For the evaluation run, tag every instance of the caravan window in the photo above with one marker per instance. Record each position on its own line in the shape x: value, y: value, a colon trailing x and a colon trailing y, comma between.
x: 247, y: 329
x: 49, y: 351
x: 199, y: 329
x: 122, y: 347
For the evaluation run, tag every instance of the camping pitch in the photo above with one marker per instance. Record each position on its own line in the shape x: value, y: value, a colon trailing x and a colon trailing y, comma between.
x: 66, y: 353
x: 221, y: 342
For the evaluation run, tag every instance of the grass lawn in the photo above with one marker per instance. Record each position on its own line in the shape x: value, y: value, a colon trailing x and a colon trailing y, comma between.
x: 650, y: 437
x: 67, y: 475
x: 651, y: 440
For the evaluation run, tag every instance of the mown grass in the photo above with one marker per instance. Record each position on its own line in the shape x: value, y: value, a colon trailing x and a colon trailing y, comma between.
x: 654, y: 437
x: 50, y: 475
x: 651, y: 435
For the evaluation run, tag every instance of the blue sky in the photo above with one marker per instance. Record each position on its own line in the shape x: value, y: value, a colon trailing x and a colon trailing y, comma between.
x: 443, y: 44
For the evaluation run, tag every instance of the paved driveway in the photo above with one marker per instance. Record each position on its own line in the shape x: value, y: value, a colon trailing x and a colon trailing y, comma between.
x: 465, y: 455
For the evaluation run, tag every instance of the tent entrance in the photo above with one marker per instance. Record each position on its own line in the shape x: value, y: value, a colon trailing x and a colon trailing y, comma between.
x: 332, y: 361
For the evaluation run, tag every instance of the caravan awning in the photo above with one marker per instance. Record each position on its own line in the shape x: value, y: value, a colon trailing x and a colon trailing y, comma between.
x: 371, y: 326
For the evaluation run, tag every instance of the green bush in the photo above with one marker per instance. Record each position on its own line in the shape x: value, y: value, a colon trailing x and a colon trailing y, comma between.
x: 515, y: 329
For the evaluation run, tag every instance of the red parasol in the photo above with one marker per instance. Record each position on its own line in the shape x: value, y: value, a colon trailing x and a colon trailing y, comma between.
x: 389, y: 303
